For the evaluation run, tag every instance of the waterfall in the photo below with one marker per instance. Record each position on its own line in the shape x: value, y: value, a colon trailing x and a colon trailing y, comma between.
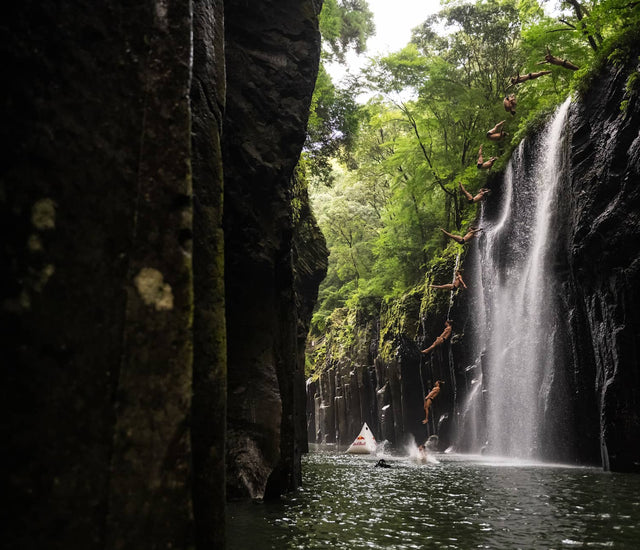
x: 516, y: 312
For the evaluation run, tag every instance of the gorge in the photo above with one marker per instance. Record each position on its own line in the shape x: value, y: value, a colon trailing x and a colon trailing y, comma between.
x: 161, y: 262
x: 542, y: 359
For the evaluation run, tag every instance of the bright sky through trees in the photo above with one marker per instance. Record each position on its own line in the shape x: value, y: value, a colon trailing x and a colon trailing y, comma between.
x: 394, y: 20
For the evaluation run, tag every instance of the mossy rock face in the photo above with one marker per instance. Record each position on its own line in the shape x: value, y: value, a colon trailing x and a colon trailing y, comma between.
x: 399, y: 319
x: 436, y: 303
x: 388, y: 343
x: 344, y: 338
x: 272, y: 53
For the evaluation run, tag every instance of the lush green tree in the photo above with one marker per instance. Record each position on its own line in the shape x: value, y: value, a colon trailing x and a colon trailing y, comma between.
x: 333, y: 119
x: 454, y: 83
x: 333, y: 123
x: 348, y: 215
x: 407, y: 215
x: 397, y: 159
x: 345, y: 25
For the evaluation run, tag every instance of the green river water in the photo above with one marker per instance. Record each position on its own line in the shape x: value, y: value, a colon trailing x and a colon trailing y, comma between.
x: 454, y: 501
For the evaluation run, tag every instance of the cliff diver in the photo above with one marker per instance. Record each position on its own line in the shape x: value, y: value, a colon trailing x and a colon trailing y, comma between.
x: 509, y: 103
x: 382, y: 463
x: 440, y: 339
x: 497, y: 133
x: 422, y: 454
x: 470, y: 198
x: 457, y: 282
x: 557, y: 61
x: 462, y: 240
x: 484, y: 165
x: 430, y: 397
x: 518, y: 79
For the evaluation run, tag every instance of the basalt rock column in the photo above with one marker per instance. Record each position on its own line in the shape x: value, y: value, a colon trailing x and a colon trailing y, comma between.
x: 208, y: 416
x: 272, y: 53
x: 310, y: 260
x: 96, y: 292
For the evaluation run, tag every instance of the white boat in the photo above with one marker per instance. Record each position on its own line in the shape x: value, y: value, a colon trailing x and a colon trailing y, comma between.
x: 365, y: 443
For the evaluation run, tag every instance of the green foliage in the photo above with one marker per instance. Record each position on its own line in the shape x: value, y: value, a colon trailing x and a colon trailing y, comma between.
x: 394, y: 176
x: 633, y: 83
x: 398, y: 316
x: 333, y: 122
x: 481, y: 46
x: 344, y: 25
x: 619, y: 21
x: 440, y: 272
x: 333, y: 118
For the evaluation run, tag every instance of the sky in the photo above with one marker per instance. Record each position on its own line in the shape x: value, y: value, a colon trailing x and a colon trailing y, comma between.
x: 394, y: 20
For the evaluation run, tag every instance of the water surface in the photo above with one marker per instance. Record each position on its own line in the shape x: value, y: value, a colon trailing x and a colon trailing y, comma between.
x: 459, y: 502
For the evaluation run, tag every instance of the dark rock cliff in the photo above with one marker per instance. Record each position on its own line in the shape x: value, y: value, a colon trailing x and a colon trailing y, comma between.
x: 209, y: 398
x: 272, y: 57
x: 602, y: 248
x: 96, y: 280
x: 115, y: 319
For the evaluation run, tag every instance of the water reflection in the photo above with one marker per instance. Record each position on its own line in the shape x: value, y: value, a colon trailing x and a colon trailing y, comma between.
x: 462, y: 502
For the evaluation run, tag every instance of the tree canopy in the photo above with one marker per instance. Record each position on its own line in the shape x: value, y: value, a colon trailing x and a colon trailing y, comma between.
x: 390, y: 168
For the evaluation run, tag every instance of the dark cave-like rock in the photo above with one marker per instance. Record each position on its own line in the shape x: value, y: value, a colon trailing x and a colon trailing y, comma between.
x: 272, y: 53
x: 96, y: 280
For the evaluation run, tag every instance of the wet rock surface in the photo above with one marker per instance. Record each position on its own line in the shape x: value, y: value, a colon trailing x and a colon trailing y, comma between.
x: 603, y: 250
x: 272, y: 54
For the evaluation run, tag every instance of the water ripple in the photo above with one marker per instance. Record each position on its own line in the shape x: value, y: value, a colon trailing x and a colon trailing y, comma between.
x: 457, y: 504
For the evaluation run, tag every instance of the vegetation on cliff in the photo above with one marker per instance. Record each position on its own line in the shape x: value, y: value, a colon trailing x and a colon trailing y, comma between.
x: 387, y: 176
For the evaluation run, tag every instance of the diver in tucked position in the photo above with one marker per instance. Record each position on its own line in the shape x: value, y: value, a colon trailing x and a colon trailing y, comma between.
x: 482, y: 164
x: 459, y: 239
x: 429, y: 399
x: 440, y: 339
x: 470, y: 198
x: 457, y: 282
x: 509, y: 103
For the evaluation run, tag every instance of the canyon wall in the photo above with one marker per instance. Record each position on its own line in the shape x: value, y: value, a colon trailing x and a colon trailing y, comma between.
x: 209, y: 388
x: 272, y: 55
x: 601, y: 245
x: 125, y: 296
x: 97, y: 280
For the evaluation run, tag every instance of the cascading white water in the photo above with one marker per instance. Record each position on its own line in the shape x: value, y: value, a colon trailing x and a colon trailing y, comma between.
x: 517, y: 311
